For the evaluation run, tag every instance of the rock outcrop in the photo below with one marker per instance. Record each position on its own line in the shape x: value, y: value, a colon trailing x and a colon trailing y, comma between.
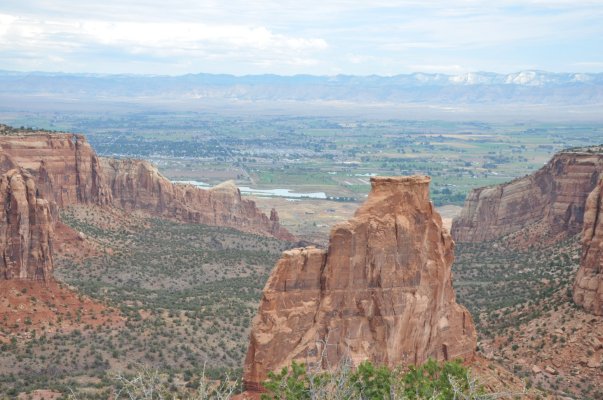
x: 588, y: 287
x: 381, y: 292
x: 67, y: 171
x: 25, y: 229
x: 553, y: 197
x: 138, y: 185
x: 66, y: 168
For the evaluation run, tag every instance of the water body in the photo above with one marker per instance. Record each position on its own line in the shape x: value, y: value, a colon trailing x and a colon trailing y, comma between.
x: 194, y: 183
x: 287, y: 193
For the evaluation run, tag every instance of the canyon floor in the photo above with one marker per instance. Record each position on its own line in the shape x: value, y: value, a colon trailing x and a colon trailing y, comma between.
x: 520, y: 299
x: 180, y: 298
x: 311, y: 220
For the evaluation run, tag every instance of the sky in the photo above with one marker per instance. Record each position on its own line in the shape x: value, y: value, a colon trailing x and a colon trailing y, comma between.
x: 319, y: 37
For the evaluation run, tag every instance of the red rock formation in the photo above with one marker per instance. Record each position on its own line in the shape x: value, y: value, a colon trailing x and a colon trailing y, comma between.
x: 381, y: 292
x: 553, y: 197
x: 67, y: 171
x: 25, y: 229
x: 138, y: 185
x: 48, y: 307
x: 66, y: 168
x: 588, y: 287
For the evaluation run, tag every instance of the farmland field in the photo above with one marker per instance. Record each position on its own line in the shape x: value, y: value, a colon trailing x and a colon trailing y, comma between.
x: 334, y: 155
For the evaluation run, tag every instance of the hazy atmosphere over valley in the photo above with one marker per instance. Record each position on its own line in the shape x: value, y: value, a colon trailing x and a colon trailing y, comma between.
x: 301, y: 200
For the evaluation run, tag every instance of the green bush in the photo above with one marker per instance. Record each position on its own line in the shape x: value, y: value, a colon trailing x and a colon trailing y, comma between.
x: 288, y: 385
x: 432, y: 380
x: 371, y: 382
x: 437, y: 381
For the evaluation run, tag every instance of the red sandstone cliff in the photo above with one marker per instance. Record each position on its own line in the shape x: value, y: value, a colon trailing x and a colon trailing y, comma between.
x: 138, y: 185
x: 382, y: 291
x: 25, y: 229
x: 38, y: 174
x: 588, y: 287
x: 552, y: 197
x: 67, y: 171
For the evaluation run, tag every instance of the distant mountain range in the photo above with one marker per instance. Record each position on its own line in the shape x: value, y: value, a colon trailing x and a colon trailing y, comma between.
x: 525, y: 87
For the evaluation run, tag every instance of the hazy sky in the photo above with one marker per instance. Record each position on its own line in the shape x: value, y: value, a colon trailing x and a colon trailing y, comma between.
x: 304, y: 36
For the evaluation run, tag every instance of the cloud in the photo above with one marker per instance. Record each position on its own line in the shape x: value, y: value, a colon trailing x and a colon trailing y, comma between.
x: 158, y: 35
x: 289, y: 36
x: 589, y: 64
x: 444, y: 69
x: 190, y: 36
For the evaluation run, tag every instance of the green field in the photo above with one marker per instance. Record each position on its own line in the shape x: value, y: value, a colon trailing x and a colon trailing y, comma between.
x: 331, y: 154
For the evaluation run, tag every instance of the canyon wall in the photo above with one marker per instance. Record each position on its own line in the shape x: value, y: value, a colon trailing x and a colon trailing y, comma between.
x: 553, y: 197
x: 138, y: 185
x: 66, y: 168
x: 381, y: 292
x: 588, y: 287
x: 67, y: 171
x: 25, y: 229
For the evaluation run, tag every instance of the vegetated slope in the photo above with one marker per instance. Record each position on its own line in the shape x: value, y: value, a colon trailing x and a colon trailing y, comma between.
x: 520, y: 286
x: 188, y: 291
x: 30, y: 299
x: 521, y: 299
x: 29, y: 309
x: 381, y: 292
x: 45, y: 174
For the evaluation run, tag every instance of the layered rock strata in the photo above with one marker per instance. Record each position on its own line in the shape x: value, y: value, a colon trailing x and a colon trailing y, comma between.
x: 138, y: 185
x: 381, y: 292
x: 25, y: 229
x: 67, y: 171
x: 66, y: 168
x: 588, y: 287
x: 553, y: 197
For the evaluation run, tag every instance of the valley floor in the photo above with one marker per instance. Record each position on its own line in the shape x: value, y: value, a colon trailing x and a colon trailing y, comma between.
x: 521, y: 301
x: 180, y: 298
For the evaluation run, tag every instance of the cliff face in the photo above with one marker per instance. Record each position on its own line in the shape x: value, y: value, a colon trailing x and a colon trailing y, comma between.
x: 588, y: 287
x: 554, y: 197
x: 381, y: 292
x: 66, y: 168
x: 67, y: 171
x: 137, y: 185
x: 25, y: 229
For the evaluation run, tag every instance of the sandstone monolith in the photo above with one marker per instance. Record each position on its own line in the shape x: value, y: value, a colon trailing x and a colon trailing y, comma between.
x: 381, y: 292
x: 588, y: 286
x: 25, y: 229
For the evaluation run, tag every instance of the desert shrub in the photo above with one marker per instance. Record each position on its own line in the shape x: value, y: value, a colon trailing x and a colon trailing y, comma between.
x: 432, y: 380
x: 372, y: 382
x: 288, y: 384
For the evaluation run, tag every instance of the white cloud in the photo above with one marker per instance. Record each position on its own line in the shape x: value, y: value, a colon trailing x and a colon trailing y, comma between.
x: 443, y: 69
x: 195, y: 36
x: 157, y: 39
x: 290, y: 36
x: 182, y: 47
x: 589, y: 64
x: 6, y: 22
